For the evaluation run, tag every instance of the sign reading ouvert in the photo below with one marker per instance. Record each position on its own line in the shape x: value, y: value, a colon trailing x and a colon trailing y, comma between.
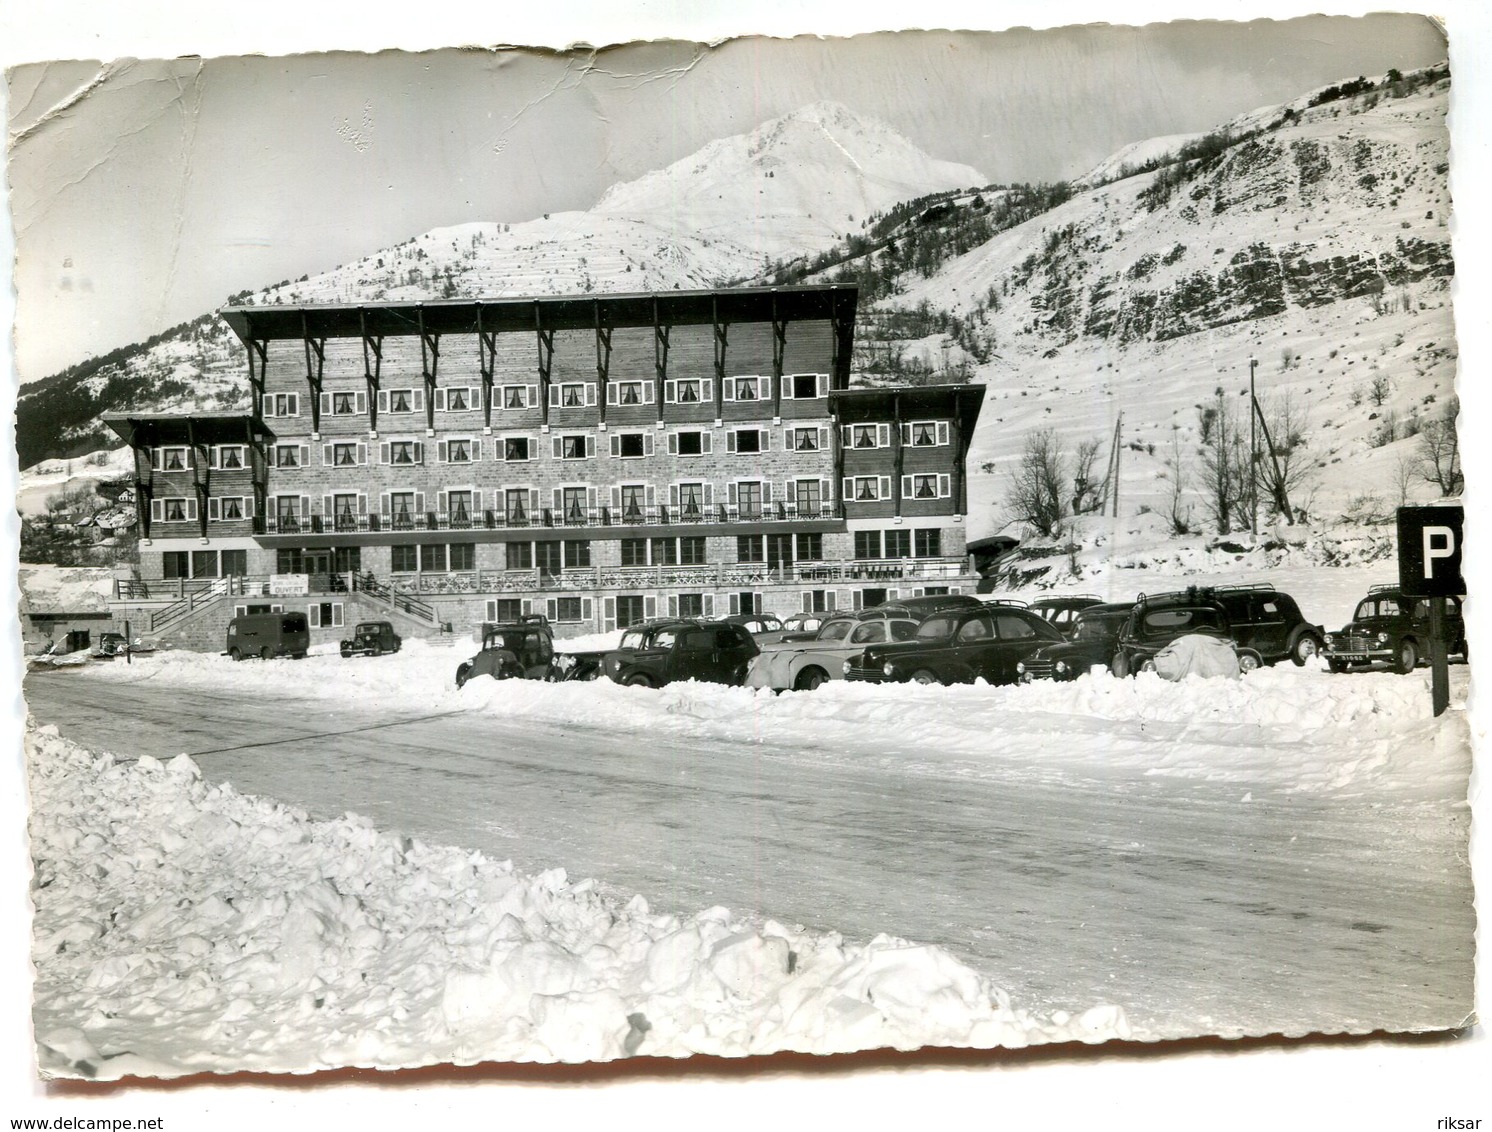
x: 1430, y: 567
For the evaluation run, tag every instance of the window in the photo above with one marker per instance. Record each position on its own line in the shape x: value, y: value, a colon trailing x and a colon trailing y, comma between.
x: 692, y: 550
x: 520, y: 556
x: 505, y: 609
x: 691, y: 500
x: 516, y: 499
x: 404, y: 559
x: 867, y: 544
x: 1012, y: 627
x: 633, y: 496
x: 863, y: 436
x: 977, y: 629
x: 689, y: 391
x: 577, y: 554
x: 463, y: 556
x: 515, y: 397
x: 630, y: 445
x: 924, y: 487
x: 629, y: 393
x: 809, y: 496
x: 573, y: 447
x: 805, y: 440
x: 691, y: 605
x: 433, y: 557
x: 925, y: 434
x: 927, y: 485
x: 174, y: 510
x: 289, y: 560
x: 344, y: 455
x: 548, y: 557
x: 458, y: 400
x: 458, y: 451
x: 749, y: 498
x: 572, y: 396
x: 689, y: 443
x: 747, y: 440
x: 227, y: 509
x: 665, y: 552
x: 779, y: 551
x: 568, y: 609
x: 286, y: 456
x: 517, y: 447
x: 235, y: 563
x: 231, y: 457
x: 174, y: 564
x: 204, y: 563
x: 811, y: 547
x: 344, y: 404
x: 573, y: 500
x: 745, y: 388
x: 401, y: 401
x: 805, y: 385
x: 344, y: 512
x: 402, y: 510
x: 898, y: 544
x: 634, y: 552
x: 324, y: 614
x: 866, y: 489
x: 750, y: 548
x: 404, y: 452
x: 459, y: 507
x: 629, y: 610
x: 929, y: 543
x: 282, y: 404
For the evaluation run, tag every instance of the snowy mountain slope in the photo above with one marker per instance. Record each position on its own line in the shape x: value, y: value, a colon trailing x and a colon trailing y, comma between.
x: 795, y: 183
x: 1320, y: 249
x: 798, y: 182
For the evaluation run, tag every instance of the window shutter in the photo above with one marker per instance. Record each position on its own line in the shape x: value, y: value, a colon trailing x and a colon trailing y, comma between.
x: 326, y: 404
x: 670, y: 391
x: 267, y: 405
x: 844, y: 435
x: 531, y: 398
x: 360, y: 403
x: 673, y: 495
x: 587, y: 609
x: 383, y: 452
x: 419, y: 452
x: 362, y: 504
x: 440, y: 400
x: 807, y: 596
x: 476, y: 502
x: 735, y: 604
x: 590, y: 446
x: 419, y: 400
x: 885, y: 488
x: 533, y: 499
x: 823, y: 385
x: 491, y: 611
x: 554, y: 396
x: 649, y: 606
x: 709, y: 605
x: 707, y: 442
x: 559, y: 500
x: 314, y: 615
x: 616, y: 445
x: 476, y: 450
x: 326, y: 455
x: 440, y: 501
x: 212, y: 457
x: 673, y: 605
x: 419, y: 502
x: 728, y: 391
x: 616, y: 497
x: 906, y: 487
x: 647, y: 392
x: 673, y: 444
x: 709, y: 495
x: 551, y: 609
x: 336, y: 614
x: 292, y: 404
x: 764, y: 388
x: 731, y: 494
x: 155, y: 459
x: 883, y: 436
x: 590, y: 498
x: 474, y: 397
x: 766, y: 491
x: 213, y: 510
x: 829, y: 601
x: 945, y: 485
x: 787, y: 388
x: 305, y: 506
x: 826, y: 489
x: 847, y: 489
x: 647, y: 444
x: 305, y: 455
x: 906, y: 433
x: 559, y: 448
x: 608, y: 616
x: 942, y: 432
x: 590, y: 393
x: 613, y: 394
x: 362, y: 454
x: 383, y: 503
x: 326, y: 506
x: 730, y: 441
x: 650, y: 496
x: 383, y: 400
x: 765, y: 442
x: 787, y: 438
x: 824, y: 439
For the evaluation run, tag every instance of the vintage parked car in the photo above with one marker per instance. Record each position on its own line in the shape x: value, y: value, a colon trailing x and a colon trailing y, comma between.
x: 655, y: 653
x: 762, y: 626
x: 523, y: 649
x: 1269, y: 622
x: 1388, y: 626
x: 1158, y: 619
x: 110, y: 645
x: 958, y: 646
x: 1093, y: 639
x: 1062, y: 609
x: 802, y: 626
x: 371, y: 638
x: 804, y: 665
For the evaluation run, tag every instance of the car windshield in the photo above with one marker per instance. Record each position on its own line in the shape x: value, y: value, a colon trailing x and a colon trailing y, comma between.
x: 936, y: 629
x: 1098, y: 628
x: 633, y: 639
x: 835, y: 630
x: 1161, y: 622
x: 1376, y: 607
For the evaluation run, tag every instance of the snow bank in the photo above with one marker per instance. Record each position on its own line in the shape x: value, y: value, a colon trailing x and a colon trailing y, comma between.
x: 184, y: 928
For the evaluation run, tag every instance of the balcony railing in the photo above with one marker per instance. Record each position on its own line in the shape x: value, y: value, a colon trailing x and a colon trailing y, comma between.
x: 574, y: 518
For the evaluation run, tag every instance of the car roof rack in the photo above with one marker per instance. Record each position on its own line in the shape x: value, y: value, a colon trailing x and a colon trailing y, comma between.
x: 1015, y: 601
x: 1384, y: 588
x: 1068, y: 597
x: 1248, y: 587
x: 1191, y: 593
x: 532, y: 619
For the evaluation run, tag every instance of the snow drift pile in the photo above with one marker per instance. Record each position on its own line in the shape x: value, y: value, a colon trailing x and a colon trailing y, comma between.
x: 183, y: 928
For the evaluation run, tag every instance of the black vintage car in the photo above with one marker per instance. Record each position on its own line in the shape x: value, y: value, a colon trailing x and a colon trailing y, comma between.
x: 958, y: 646
x: 1062, y: 609
x: 1269, y: 622
x: 1388, y: 626
x: 1093, y: 638
x: 1159, y: 619
x: 659, y: 652
x: 371, y: 638
x: 522, y: 650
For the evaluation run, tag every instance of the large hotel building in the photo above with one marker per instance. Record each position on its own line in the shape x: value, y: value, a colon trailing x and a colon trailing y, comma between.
x: 599, y: 459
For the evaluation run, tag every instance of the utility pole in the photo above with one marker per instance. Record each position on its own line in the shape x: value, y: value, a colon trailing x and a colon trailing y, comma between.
x: 1253, y: 453
x: 1118, y: 428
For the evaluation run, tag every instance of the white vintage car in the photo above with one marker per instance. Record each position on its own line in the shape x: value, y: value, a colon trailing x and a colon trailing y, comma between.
x: 804, y: 665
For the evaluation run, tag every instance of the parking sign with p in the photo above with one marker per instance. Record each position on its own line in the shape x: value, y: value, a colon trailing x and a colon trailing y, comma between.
x: 1430, y: 552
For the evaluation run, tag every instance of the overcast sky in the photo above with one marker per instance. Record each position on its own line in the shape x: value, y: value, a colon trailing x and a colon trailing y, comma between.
x: 170, y: 185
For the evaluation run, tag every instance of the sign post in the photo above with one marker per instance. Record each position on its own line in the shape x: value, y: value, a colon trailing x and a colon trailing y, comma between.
x: 1430, y: 567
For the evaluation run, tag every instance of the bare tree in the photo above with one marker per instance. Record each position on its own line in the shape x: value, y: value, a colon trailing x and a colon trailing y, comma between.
x: 1406, y: 471
x: 1224, y: 465
x: 1087, y: 495
x: 1037, y: 487
x: 1440, y: 453
x: 1181, y: 518
x: 1284, y: 467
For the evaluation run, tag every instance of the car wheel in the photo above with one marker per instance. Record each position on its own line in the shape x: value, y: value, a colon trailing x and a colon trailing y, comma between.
x: 925, y: 676
x: 1406, y: 657
x: 638, y: 680
x: 375, y: 651
x: 463, y: 674
x: 810, y: 679
x: 234, y: 655
x: 1148, y: 664
x: 264, y: 653
x: 1338, y: 666
x: 1248, y: 661
x: 1305, y: 648
x: 1119, y: 666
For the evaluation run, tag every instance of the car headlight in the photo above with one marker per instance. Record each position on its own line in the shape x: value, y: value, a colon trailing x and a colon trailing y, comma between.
x: 1061, y: 666
x: 849, y: 664
x: 888, y: 668
x: 1020, y: 667
x: 1383, y: 638
x: 1331, y: 640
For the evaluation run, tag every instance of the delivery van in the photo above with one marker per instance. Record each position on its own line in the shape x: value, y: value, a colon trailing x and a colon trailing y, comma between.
x: 268, y: 634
